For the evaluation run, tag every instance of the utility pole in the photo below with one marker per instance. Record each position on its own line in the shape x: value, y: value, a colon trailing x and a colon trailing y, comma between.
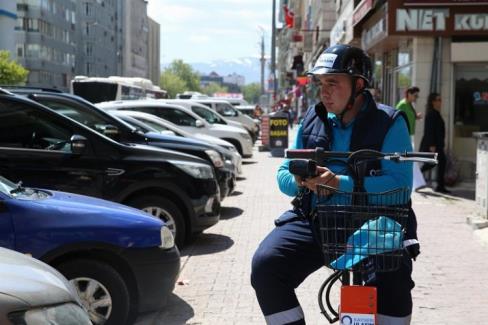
x: 273, y: 50
x: 263, y: 62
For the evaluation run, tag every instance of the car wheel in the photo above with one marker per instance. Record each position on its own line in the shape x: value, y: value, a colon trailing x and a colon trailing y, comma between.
x: 164, y: 209
x: 102, y: 290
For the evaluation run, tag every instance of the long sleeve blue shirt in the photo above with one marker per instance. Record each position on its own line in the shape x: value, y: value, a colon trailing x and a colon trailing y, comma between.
x: 394, y: 175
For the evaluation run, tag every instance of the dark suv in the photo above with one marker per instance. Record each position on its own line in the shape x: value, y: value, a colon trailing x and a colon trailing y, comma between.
x: 97, y: 119
x: 45, y: 149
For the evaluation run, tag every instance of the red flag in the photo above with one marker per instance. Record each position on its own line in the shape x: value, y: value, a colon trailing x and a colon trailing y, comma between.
x: 289, y: 17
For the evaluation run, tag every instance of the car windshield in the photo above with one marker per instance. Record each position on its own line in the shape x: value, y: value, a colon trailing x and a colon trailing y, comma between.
x: 6, y: 186
x: 208, y: 115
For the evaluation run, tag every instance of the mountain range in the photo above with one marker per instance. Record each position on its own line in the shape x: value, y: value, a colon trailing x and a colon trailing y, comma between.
x: 248, y: 67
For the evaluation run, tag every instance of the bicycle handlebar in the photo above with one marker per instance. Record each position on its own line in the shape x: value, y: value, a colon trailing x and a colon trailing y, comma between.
x: 319, y: 154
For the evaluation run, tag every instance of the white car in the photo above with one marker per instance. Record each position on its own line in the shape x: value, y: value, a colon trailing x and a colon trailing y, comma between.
x: 228, y: 111
x: 186, y: 120
x: 151, y: 123
x: 205, y: 112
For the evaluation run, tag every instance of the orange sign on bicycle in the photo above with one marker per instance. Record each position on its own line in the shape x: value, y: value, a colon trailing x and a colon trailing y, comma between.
x: 358, y: 305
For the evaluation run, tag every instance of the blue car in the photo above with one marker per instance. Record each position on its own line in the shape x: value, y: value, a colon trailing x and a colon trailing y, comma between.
x: 121, y: 260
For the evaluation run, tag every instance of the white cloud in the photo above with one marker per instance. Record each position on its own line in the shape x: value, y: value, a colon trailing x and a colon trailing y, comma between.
x: 196, y: 30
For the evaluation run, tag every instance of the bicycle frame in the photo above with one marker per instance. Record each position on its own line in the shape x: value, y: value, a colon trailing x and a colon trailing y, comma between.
x: 358, y: 303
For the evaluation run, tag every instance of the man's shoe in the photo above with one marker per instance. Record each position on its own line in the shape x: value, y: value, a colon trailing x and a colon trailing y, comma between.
x: 442, y: 190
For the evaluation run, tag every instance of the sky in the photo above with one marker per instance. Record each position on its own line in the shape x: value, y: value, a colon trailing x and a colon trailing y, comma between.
x: 207, y: 30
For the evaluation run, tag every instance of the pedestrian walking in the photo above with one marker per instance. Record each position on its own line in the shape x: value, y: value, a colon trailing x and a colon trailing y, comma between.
x: 434, y: 139
x: 406, y: 105
x: 346, y: 119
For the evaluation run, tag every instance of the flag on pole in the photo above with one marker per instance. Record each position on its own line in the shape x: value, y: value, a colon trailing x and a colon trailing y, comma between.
x: 289, y: 16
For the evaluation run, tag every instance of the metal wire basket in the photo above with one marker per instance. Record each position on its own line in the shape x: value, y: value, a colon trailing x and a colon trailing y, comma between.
x: 362, y: 232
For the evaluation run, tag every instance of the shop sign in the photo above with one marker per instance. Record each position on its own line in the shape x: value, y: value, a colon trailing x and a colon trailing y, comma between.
x: 445, y: 2
x: 278, y: 131
x: 361, y: 10
x: 372, y: 35
x: 442, y: 21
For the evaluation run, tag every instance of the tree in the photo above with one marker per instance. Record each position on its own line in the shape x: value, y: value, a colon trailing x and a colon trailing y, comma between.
x: 172, y: 83
x: 213, y: 88
x: 11, y: 73
x: 252, y: 92
x: 186, y: 73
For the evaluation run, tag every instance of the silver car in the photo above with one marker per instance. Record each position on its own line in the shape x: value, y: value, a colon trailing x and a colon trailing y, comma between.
x: 33, y: 293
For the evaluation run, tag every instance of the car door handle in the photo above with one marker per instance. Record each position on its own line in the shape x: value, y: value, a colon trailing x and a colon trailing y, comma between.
x: 114, y: 171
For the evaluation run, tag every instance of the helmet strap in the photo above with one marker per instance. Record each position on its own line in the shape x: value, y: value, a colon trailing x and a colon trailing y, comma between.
x: 352, y: 99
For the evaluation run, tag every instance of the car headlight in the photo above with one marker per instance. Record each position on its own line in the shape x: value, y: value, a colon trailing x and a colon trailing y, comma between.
x: 196, y: 170
x: 167, y: 239
x: 231, y: 148
x: 215, y: 158
x: 246, y: 136
x: 66, y: 314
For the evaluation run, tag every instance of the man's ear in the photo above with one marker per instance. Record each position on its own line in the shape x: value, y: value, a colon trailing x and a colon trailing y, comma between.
x: 360, y: 84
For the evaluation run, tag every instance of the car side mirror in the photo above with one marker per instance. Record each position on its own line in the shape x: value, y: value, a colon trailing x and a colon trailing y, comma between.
x: 111, y: 131
x: 168, y: 132
x: 78, y: 144
x: 199, y: 124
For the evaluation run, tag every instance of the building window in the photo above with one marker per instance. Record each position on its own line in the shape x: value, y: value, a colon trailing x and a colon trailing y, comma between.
x: 89, y: 49
x: 22, y: 7
x: 20, y: 50
x: 88, y: 9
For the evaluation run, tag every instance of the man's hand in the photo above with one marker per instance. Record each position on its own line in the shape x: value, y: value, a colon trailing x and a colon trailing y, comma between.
x: 326, y: 177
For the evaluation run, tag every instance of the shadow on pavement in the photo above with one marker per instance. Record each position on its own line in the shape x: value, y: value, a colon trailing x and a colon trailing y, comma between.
x: 235, y: 193
x: 230, y: 212
x: 249, y: 162
x: 455, y: 194
x: 204, y: 244
x: 176, y: 311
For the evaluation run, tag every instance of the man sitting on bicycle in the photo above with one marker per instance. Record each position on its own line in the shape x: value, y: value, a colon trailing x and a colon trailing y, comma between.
x: 346, y: 119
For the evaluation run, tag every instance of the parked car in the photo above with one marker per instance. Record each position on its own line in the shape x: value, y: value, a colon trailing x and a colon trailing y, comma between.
x: 97, y: 119
x: 228, y: 111
x: 32, y: 292
x: 46, y: 149
x: 186, y: 120
x: 204, y: 112
x: 120, y: 260
x: 151, y: 123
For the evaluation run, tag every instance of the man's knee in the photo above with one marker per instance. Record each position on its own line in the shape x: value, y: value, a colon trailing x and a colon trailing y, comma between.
x: 263, y: 268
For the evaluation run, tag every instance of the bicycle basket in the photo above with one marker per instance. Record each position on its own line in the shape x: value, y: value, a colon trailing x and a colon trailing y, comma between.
x: 362, y: 232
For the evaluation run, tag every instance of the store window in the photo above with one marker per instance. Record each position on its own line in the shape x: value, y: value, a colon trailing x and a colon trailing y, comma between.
x: 403, y: 71
x: 471, y: 99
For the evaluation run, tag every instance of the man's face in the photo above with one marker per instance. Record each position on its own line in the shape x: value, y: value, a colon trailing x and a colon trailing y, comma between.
x: 412, y: 97
x: 335, y: 90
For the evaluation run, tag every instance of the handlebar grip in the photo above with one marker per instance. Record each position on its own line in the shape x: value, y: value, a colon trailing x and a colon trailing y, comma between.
x: 430, y: 155
x: 300, y: 153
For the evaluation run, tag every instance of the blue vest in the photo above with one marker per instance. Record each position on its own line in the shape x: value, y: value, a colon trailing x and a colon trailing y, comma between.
x: 369, y: 130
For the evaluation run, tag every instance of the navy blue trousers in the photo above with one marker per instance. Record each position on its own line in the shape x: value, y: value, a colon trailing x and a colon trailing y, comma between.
x: 289, y: 254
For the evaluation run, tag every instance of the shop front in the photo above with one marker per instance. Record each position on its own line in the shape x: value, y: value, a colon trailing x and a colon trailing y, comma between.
x: 439, y: 46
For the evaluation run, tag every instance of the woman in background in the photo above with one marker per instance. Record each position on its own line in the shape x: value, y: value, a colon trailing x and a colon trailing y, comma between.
x: 434, y: 138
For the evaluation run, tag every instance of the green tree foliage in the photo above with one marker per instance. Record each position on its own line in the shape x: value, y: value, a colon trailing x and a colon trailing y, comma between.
x: 186, y: 73
x: 252, y: 92
x: 172, y: 83
x: 11, y: 73
x: 213, y: 88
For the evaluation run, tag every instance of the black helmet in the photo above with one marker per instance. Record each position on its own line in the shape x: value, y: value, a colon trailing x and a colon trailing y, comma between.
x: 343, y: 59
